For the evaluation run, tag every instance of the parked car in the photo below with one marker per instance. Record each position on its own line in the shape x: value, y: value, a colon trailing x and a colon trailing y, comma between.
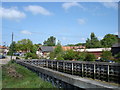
x: 110, y: 61
x: 16, y: 54
x: 1, y: 56
x: 103, y: 60
x: 97, y: 60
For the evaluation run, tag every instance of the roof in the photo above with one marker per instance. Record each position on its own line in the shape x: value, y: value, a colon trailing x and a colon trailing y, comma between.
x: 72, y: 47
x: 94, y: 50
x: 116, y: 45
x: 47, y: 48
x: 2, y: 47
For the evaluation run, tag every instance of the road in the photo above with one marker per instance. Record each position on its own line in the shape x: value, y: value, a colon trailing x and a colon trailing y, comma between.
x: 6, y: 60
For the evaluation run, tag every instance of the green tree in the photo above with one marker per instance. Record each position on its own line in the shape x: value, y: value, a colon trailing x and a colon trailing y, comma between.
x: 12, y: 48
x: 93, y: 42
x: 69, y: 55
x: 30, y: 55
x: 117, y: 55
x: 106, y: 55
x: 90, y: 57
x: 58, y: 48
x: 51, y: 41
x: 34, y: 48
x: 109, y: 40
x: 58, y: 51
x: 59, y: 57
x: 25, y: 45
x: 52, y: 55
x: 79, y: 44
x: 81, y: 56
x: 70, y: 45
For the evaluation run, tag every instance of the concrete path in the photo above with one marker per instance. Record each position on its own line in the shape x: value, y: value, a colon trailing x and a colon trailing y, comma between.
x: 4, y: 61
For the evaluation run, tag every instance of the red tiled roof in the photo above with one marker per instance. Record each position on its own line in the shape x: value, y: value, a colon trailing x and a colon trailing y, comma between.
x: 2, y: 47
x: 65, y: 48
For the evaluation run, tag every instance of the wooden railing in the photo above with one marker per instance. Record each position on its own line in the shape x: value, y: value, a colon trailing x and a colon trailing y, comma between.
x: 109, y: 72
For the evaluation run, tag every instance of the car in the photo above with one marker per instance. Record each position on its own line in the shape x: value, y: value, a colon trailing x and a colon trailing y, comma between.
x: 110, y: 61
x: 97, y: 60
x: 2, y: 56
x: 16, y: 54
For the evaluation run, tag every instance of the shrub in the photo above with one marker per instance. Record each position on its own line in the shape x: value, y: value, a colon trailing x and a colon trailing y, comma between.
x: 59, y: 57
x: 52, y: 55
x: 69, y: 55
x: 90, y: 57
x: 81, y: 56
x: 106, y: 55
x: 31, y: 55
x: 117, y: 55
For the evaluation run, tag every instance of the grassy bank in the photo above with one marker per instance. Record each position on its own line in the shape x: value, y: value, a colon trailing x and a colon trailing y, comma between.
x: 16, y: 76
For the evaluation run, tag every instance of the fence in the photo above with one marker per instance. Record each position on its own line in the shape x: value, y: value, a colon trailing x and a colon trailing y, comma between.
x: 109, y: 72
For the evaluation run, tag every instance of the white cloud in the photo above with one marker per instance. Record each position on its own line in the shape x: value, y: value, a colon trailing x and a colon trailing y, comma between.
x: 83, y: 39
x: 110, y: 5
x: 68, y: 5
x: 37, y: 10
x: 81, y: 21
x: 11, y: 13
x: 64, y: 38
x: 26, y: 32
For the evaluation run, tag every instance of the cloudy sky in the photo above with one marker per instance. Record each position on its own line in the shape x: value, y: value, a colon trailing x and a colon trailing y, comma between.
x: 69, y: 22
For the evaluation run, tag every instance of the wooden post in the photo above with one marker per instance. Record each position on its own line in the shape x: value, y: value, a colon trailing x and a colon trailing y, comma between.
x: 63, y: 66
x: 72, y: 68
x: 47, y: 64
x: 52, y: 64
x: 108, y: 73
x: 94, y: 70
x: 82, y: 70
x: 57, y: 65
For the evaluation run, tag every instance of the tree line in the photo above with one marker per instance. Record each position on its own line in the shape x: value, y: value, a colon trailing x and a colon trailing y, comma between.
x: 92, y: 42
x: 24, y: 45
x: 27, y: 46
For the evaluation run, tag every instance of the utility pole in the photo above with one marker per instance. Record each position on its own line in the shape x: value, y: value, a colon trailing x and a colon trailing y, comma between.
x: 12, y: 47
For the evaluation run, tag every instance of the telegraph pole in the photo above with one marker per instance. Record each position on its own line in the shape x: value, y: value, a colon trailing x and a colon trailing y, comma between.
x: 12, y: 47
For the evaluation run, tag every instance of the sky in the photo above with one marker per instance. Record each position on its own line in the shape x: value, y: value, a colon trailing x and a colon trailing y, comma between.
x: 69, y: 22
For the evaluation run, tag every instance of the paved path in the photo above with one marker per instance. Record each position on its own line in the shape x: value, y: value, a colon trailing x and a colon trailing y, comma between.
x: 4, y: 61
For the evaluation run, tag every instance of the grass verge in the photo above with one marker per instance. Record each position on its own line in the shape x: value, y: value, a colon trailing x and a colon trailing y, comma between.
x: 16, y: 76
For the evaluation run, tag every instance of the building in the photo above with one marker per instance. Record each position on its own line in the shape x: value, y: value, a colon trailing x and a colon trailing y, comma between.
x: 96, y: 51
x: 65, y: 48
x: 115, y: 49
x: 44, y: 51
x: 3, y: 50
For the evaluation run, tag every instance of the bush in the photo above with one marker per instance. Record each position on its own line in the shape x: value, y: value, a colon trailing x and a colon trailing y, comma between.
x: 90, y: 57
x: 69, y: 55
x: 117, y: 55
x: 31, y: 55
x: 52, y: 55
x: 106, y: 55
x: 59, y: 57
x: 81, y: 56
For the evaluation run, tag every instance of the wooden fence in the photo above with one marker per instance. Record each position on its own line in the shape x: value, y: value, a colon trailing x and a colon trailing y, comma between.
x: 104, y: 71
